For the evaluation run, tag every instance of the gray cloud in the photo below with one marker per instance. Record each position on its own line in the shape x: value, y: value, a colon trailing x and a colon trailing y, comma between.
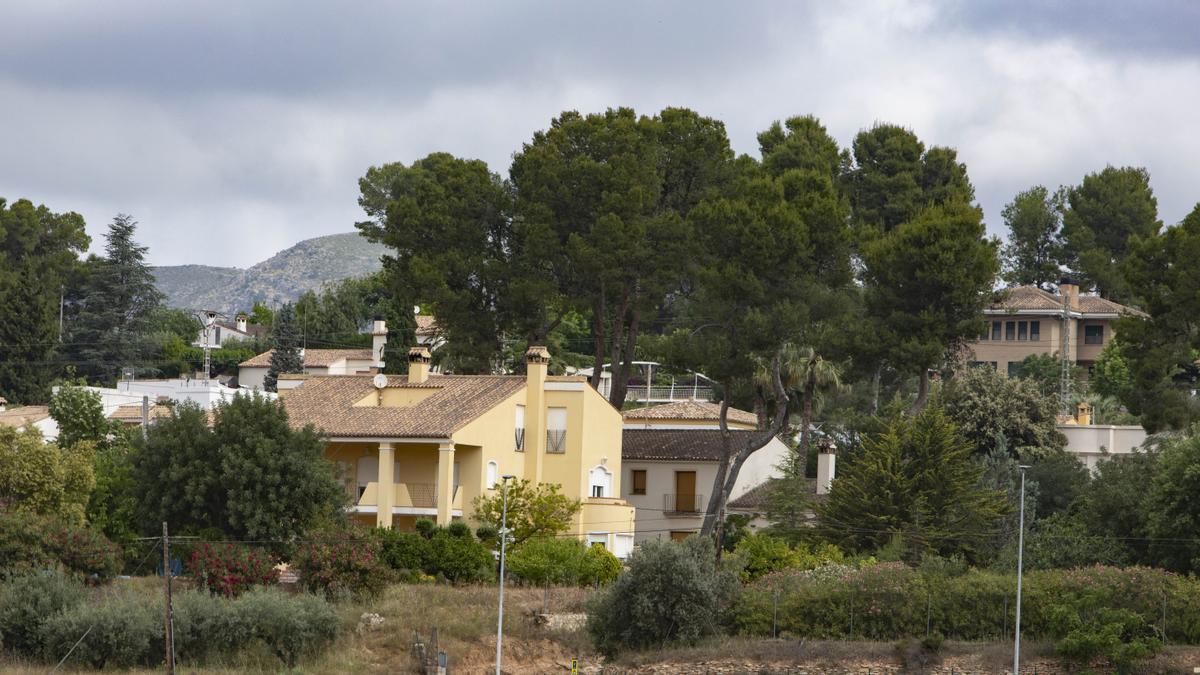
x: 231, y: 130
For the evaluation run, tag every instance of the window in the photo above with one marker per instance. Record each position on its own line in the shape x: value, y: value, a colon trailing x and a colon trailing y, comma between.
x: 995, y: 330
x: 556, y: 430
x: 1035, y: 331
x: 493, y: 475
x: 520, y: 429
x: 1010, y: 330
x: 638, y: 481
x: 622, y: 545
x: 598, y: 539
x: 680, y: 535
x: 600, y: 482
x: 1093, y: 335
x: 217, y: 340
x: 1022, y: 330
x: 367, y: 471
x: 1014, y: 368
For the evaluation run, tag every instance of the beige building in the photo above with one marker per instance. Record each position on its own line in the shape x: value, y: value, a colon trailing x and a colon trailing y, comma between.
x: 427, y: 445
x: 1029, y: 320
x: 670, y: 454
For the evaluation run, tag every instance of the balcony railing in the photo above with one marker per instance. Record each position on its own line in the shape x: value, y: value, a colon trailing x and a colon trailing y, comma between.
x: 556, y: 441
x: 408, y: 495
x: 683, y: 503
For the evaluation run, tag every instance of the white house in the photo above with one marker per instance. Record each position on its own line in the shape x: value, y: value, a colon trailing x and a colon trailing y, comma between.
x: 253, y: 372
x: 36, y: 416
x: 221, y: 332
x: 670, y: 454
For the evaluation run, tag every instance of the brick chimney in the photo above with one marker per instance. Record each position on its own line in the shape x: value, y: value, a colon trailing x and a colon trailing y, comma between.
x: 379, y: 341
x: 241, y: 323
x: 826, y: 466
x: 418, y: 365
x: 1069, y: 289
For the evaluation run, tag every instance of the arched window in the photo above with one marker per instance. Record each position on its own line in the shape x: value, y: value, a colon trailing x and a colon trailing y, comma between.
x: 600, y: 481
x: 493, y: 474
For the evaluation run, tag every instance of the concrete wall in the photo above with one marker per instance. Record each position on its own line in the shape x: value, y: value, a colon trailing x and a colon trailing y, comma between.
x: 1093, y: 443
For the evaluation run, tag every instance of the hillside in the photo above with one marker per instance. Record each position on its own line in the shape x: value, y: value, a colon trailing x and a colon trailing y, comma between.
x: 281, y: 278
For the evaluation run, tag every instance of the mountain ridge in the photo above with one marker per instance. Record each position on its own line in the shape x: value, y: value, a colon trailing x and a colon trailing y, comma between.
x: 306, y: 265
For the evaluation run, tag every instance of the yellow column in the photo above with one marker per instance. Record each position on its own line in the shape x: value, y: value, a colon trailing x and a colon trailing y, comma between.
x: 445, y: 484
x: 387, y: 491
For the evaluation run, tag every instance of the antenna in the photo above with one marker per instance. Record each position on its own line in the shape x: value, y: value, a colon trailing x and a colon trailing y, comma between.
x: 208, y: 317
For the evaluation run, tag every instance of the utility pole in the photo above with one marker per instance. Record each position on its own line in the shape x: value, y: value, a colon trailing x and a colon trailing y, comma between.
x: 169, y: 618
x: 503, y: 542
x: 145, y: 416
x: 62, y: 290
x: 1020, y: 561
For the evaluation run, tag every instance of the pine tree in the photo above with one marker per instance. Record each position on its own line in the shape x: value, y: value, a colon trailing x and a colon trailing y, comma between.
x: 916, y: 481
x: 285, y: 341
x: 114, y: 320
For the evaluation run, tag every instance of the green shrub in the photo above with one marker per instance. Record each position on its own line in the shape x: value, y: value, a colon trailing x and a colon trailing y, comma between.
x: 671, y: 594
x: 459, y: 529
x: 31, y: 542
x: 459, y: 558
x: 207, y: 624
x: 602, y: 567
x: 338, y: 567
x: 425, y: 527
x: 230, y: 569
x: 291, y: 626
x: 123, y: 631
x: 405, y: 552
x: 762, y: 554
x: 1119, y: 636
x: 25, y: 604
x: 564, y: 561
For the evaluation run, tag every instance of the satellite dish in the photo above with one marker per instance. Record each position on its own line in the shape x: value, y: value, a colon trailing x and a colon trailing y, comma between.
x: 416, y: 309
x: 380, y: 381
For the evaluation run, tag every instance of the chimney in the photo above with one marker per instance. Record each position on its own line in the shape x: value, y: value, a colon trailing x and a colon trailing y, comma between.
x: 418, y: 365
x: 1068, y: 288
x: 1083, y: 414
x: 241, y: 323
x: 379, y: 341
x: 826, y: 466
x: 537, y: 361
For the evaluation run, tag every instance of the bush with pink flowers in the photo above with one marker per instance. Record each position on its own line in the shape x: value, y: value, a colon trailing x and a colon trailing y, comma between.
x: 231, y: 569
x: 341, y: 566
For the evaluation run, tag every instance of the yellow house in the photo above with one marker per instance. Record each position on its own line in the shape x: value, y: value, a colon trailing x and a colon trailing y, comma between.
x: 427, y: 445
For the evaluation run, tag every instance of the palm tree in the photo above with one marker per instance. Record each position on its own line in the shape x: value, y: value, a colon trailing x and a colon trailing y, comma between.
x: 811, y: 377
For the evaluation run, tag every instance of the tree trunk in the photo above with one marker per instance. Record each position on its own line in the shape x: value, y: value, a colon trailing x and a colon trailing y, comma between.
x: 922, y: 393
x: 810, y: 391
x: 598, y: 309
x: 620, y: 375
x: 617, y: 396
x: 876, y: 382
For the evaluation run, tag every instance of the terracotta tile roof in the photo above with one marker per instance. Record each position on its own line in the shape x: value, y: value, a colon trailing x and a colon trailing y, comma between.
x: 133, y: 413
x: 757, y: 498
x: 26, y: 414
x: 689, y: 410
x: 694, y: 445
x: 1034, y: 298
x: 313, y: 358
x: 327, y: 403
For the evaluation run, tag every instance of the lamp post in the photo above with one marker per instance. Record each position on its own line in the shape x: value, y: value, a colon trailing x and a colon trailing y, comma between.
x: 1020, y: 561
x: 503, y: 540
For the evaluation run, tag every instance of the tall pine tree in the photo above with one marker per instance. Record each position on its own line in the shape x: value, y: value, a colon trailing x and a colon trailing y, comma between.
x: 114, y: 320
x: 285, y: 343
x: 1034, y: 252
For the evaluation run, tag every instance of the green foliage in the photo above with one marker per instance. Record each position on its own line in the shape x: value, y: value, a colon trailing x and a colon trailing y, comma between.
x: 1111, y: 375
x: 29, y: 542
x: 115, y: 319
x: 762, y: 554
x: 285, y: 347
x: 124, y: 631
x: 39, y: 253
x: 1105, y: 215
x: 534, y: 510
x: 1115, y: 504
x: 1062, y: 541
x: 670, y: 595
x: 251, y: 475
x: 917, y: 479
x: 291, y: 626
x: 231, y: 569
x: 543, y: 561
x: 459, y: 558
x: 27, y: 601
x: 1061, y: 478
x: 1045, y: 371
x: 1119, y: 636
x: 987, y: 406
x: 405, y: 552
x: 207, y: 625
x: 80, y: 416
x: 38, y: 477
x: 338, y: 567
x: 112, y: 505
x: 1034, y: 253
x: 1172, y: 510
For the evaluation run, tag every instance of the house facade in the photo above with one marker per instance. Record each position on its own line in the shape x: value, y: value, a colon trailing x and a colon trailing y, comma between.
x: 221, y: 332
x: 670, y: 456
x: 252, y: 373
x: 427, y: 445
x: 1029, y: 320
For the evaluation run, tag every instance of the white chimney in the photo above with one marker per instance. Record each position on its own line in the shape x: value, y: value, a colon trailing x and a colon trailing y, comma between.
x: 826, y: 466
x: 241, y: 323
x: 378, y: 340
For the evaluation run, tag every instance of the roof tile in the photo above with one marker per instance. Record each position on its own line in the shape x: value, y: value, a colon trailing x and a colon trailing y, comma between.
x: 689, y: 410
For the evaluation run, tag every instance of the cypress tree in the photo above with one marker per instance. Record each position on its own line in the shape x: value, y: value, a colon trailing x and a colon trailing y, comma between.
x: 285, y: 342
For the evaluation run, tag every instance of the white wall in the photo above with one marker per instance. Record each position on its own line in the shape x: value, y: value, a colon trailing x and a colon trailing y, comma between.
x: 1093, y: 443
x: 251, y: 378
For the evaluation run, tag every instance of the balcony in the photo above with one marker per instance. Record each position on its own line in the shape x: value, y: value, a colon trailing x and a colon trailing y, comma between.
x: 409, y: 498
x: 683, y: 504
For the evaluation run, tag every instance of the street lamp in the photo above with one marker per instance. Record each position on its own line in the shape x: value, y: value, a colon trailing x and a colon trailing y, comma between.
x: 1020, y: 561
x: 503, y: 540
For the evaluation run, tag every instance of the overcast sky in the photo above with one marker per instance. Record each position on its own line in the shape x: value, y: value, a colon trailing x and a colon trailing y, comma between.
x: 231, y: 130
